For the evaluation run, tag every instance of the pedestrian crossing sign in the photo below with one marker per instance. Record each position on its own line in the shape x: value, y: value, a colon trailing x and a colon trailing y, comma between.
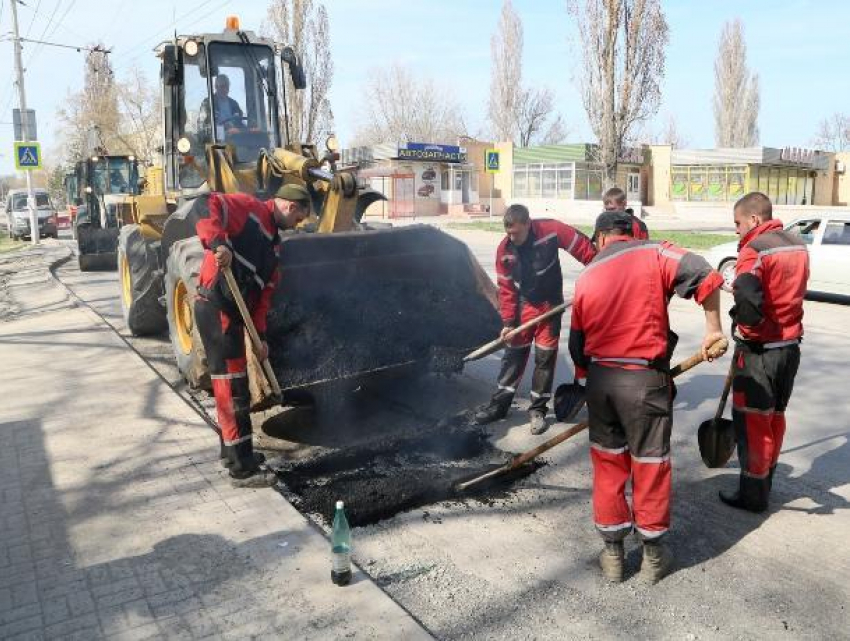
x: 491, y: 161
x: 27, y: 155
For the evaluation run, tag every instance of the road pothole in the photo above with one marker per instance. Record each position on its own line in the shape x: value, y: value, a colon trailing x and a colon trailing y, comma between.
x: 383, y: 479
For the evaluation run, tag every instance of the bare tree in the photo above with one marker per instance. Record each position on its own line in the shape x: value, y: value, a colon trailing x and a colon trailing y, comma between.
x: 736, y: 91
x: 506, y: 93
x: 95, y: 105
x: 670, y: 134
x: 304, y: 25
x: 833, y: 133
x: 533, y: 110
x: 140, y: 110
x: 623, y: 53
x: 517, y: 113
x: 557, y: 132
x: 401, y: 106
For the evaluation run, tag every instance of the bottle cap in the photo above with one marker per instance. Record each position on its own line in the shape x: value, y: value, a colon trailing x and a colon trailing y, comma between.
x: 339, y: 505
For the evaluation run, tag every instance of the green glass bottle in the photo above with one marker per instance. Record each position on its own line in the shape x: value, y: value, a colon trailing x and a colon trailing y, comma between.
x: 341, y: 547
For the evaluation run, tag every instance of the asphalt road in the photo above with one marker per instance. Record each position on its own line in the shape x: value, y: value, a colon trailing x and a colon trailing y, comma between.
x: 524, y: 566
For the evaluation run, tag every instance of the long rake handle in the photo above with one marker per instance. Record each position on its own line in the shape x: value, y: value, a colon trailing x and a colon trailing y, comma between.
x: 249, y: 325
x: 716, y: 350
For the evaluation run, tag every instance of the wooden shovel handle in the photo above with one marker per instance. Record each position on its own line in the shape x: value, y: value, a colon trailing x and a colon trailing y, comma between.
x: 727, y: 385
x: 492, y: 346
x: 249, y: 325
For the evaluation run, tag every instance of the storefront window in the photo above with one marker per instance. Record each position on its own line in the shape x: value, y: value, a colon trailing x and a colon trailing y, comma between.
x: 773, y: 183
x: 679, y: 183
x: 594, y: 185
x: 565, y: 181
x: 736, y: 182
x: 698, y: 184
x: 549, y: 181
x: 520, y: 181
x: 444, y: 181
x: 717, y: 183
x: 782, y: 193
x: 533, y: 181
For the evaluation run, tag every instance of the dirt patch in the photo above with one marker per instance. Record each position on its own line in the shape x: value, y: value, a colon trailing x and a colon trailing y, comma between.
x: 382, y: 479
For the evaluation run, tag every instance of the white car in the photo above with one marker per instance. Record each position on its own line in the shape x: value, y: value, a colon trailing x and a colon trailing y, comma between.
x: 828, y: 238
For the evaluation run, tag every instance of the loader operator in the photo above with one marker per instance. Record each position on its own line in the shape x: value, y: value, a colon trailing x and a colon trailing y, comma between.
x: 614, y: 199
x: 770, y: 282
x: 530, y: 283
x: 243, y: 228
x: 619, y: 339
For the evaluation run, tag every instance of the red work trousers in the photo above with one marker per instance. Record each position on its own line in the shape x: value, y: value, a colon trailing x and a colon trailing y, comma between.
x: 545, y: 338
x: 631, y: 417
x: 224, y: 342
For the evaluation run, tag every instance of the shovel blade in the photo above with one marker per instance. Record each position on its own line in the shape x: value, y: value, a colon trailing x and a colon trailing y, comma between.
x: 716, y: 439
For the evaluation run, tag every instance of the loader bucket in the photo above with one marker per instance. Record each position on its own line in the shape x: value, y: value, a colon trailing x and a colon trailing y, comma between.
x: 353, y: 304
x: 98, y: 247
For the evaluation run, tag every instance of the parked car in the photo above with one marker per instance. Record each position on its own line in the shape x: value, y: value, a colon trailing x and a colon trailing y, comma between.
x: 18, y: 216
x: 828, y: 238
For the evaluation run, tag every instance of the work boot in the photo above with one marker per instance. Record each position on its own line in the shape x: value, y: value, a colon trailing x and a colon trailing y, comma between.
x: 537, y: 421
x: 253, y: 478
x: 611, y: 561
x: 259, y: 459
x: 770, y: 478
x: 751, y: 494
x: 493, y: 411
x: 657, y: 562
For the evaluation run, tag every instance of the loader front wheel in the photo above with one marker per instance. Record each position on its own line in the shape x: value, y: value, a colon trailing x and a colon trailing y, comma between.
x: 181, y: 280
x: 141, y: 283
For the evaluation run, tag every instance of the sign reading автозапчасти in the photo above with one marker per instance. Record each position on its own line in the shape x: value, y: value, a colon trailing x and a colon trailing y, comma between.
x: 434, y: 153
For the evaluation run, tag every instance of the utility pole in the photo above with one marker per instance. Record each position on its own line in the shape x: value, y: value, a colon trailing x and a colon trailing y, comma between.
x: 22, y: 103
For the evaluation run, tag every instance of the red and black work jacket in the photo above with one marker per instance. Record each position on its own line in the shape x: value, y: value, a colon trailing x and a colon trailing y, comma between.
x: 619, y: 314
x: 639, y: 229
x: 246, y: 226
x: 771, y: 276
x: 531, y: 272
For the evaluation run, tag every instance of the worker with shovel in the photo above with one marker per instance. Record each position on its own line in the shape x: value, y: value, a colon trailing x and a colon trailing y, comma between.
x: 619, y: 338
x: 771, y: 278
x: 530, y: 284
x: 241, y: 234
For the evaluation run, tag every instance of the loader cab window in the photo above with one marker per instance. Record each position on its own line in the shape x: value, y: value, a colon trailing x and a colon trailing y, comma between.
x: 244, y: 111
x: 194, y: 123
x: 114, y: 176
x: 71, y: 187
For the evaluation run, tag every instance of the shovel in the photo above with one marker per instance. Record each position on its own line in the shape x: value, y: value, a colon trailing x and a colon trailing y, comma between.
x: 715, y: 351
x: 277, y: 395
x: 496, y: 345
x: 716, y: 437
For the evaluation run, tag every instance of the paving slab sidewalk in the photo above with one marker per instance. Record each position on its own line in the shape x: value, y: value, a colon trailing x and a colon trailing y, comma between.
x: 116, y: 519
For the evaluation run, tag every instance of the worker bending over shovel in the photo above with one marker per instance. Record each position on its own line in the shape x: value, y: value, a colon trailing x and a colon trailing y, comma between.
x: 245, y: 228
x: 531, y: 283
x: 771, y: 278
x: 620, y: 338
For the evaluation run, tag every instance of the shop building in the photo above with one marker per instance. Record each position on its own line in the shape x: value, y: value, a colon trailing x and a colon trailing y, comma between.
x: 420, y: 179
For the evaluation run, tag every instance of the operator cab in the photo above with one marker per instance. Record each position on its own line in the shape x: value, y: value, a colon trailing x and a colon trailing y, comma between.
x: 218, y: 89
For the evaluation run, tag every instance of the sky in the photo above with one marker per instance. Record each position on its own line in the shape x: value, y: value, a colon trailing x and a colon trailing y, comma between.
x: 798, y: 47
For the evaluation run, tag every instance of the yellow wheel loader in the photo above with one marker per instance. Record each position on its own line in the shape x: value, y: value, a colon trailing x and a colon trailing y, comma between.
x: 352, y: 301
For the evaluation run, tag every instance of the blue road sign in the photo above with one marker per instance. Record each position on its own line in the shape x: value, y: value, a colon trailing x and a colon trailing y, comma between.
x: 27, y: 155
x: 491, y: 160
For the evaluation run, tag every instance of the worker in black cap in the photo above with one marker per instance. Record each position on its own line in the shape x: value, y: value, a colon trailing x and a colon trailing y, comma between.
x: 620, y: 341
x: 241, y: 232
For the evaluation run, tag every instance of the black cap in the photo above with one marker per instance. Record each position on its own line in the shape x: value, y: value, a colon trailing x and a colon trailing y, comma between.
x: 613, y: 221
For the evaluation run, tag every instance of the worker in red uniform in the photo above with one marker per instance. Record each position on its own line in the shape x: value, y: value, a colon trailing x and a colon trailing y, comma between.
x: 771, y: 276
x: 614, y: 199
x: 619, y: 338
x: 531, y: 283
x: 241, y: 233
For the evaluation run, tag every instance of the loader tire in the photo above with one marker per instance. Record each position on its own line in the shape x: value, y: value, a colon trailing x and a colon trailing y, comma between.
x: 141, y: 282
x: 181, y: 279
x: 86, y: 263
